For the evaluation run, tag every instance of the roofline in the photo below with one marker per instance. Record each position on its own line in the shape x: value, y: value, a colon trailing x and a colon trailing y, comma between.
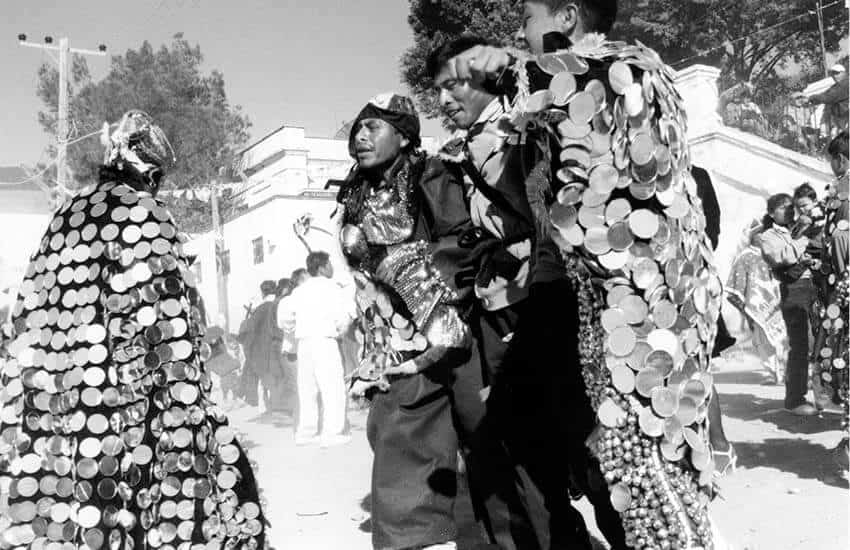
x: 304, y: 195
x: 278, y: 129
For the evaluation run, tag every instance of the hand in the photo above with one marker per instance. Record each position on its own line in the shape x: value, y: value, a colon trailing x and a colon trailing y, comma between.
x: 594, y: 437
x: 360, y: 387
x: 404, y: 369
x: 481, y: 63
x: 484, y: 394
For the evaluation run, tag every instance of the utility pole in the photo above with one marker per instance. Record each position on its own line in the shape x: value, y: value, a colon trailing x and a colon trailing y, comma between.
x: 220, y: 275
x: 819, y: 9
x: 65, y: 52
x: 62, y: 123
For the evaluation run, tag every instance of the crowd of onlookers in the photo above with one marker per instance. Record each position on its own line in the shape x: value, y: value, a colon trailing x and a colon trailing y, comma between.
x: 292, y: 352
x: 789, y: 280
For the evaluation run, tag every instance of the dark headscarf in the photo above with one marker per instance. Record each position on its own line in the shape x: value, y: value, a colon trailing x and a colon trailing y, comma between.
x: 397, y: 110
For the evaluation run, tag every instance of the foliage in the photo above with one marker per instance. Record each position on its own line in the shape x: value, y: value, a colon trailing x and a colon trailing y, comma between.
x: 774, y: 59
x: 190, y: 106
x: 773, y: 46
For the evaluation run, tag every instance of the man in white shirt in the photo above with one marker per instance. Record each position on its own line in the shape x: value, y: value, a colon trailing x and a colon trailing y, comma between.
x: 321, y: 309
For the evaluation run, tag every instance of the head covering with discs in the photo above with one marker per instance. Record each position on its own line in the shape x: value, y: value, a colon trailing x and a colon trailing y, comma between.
x: 107, y: 436
x: 625, y: 214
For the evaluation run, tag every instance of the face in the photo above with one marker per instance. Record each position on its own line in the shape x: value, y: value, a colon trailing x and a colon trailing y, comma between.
x: 783, y: 214
x: 327, y: 270
x: 537, y: 21
x: 804, y: 205
x: 460, y: 100
x: 377, y: 143
x: 839, y: 165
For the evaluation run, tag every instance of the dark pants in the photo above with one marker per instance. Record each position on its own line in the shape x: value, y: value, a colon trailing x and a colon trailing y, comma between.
x: 539, y: 401
x: 414, y: 471
x: 797, y: 298
x: 491, y: 475
x: 250, y: 381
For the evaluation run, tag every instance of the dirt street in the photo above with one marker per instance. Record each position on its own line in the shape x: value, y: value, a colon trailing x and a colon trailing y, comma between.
x: 787, y: 493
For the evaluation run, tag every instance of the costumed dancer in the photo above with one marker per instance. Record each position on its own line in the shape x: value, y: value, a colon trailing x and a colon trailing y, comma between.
x: 401, y: 213
x: 504, y: 479
x: 831, y: 348
x: 107, y: 436
x: 621, y: 207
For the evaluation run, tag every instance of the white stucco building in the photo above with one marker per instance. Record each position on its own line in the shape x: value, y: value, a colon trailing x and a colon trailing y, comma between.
x: 24, y: 215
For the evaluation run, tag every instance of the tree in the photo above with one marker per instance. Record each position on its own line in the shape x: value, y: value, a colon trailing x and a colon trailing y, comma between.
x: 771, y: 45
x: 190, y: 106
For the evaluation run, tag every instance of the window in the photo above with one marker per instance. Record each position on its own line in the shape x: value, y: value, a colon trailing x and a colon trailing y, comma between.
x: 258, y: 250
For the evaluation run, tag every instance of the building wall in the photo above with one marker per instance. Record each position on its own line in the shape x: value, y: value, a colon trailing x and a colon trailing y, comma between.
x: 745, y: 168
x: 24, y: 215
x: 271, y: 224
x: 287, y: 162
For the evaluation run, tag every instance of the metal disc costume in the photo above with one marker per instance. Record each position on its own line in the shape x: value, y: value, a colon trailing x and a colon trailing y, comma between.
x: 107, y: 437
x: 622, y: 208
x: 831, y: 348
x: 398, y: 237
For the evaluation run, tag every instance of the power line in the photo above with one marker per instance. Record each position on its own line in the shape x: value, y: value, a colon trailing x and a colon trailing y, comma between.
x: 65, y: 52
x: 703, y: 53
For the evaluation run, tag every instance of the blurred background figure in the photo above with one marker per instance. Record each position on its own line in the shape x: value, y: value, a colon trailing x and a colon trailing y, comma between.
x: 786, y: 255
x: 225, y: 364
x: 756, y: 296
x: 320, y: 311
x: 262, y: 340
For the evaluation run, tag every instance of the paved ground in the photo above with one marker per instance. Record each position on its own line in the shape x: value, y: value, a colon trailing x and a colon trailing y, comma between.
x: 786, y: 495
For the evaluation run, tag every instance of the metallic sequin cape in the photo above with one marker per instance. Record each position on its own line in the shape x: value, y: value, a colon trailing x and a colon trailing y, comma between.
x: 624, y: 211
x: 406, y: 305
x: 107, y: 437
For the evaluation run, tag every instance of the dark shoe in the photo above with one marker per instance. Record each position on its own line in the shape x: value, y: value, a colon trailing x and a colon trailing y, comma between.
x: 804, y: 409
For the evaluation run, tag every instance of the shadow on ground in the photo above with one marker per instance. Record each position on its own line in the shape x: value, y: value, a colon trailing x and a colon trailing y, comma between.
x: 754, y: 378
x: 748, y: 407
x: 803, y: 458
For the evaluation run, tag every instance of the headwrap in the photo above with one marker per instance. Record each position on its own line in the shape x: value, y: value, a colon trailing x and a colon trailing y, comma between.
x: 139, y: 142
x: 267, y: 288
x: 397, y: 110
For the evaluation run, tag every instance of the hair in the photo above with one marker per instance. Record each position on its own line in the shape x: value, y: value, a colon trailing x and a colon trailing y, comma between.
x: 805, y: 191
x: 597, y: 15
x: 839, y: 145
x: 268, y: 288
x: 753, y: 232
x: 774, y: 202
x: 315, y: 261
x: 297, y: 275
x: 441, y: 54
x: 283, y: 287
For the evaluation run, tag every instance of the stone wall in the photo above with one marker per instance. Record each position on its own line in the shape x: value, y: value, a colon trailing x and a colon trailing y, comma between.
x: 745, y: 168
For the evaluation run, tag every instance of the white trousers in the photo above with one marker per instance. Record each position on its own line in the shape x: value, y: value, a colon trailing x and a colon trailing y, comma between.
x: 320, y: 372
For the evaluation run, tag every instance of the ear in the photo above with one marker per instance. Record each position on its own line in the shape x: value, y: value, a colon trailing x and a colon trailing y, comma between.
x: 404, y: 142
x: 567, y: 18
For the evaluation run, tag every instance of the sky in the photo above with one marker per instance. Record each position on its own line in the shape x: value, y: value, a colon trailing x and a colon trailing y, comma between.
x: 309, y: 63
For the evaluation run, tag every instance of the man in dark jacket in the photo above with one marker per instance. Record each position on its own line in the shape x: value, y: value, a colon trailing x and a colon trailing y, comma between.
x: 262, y: 340
x: 401, y: 214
